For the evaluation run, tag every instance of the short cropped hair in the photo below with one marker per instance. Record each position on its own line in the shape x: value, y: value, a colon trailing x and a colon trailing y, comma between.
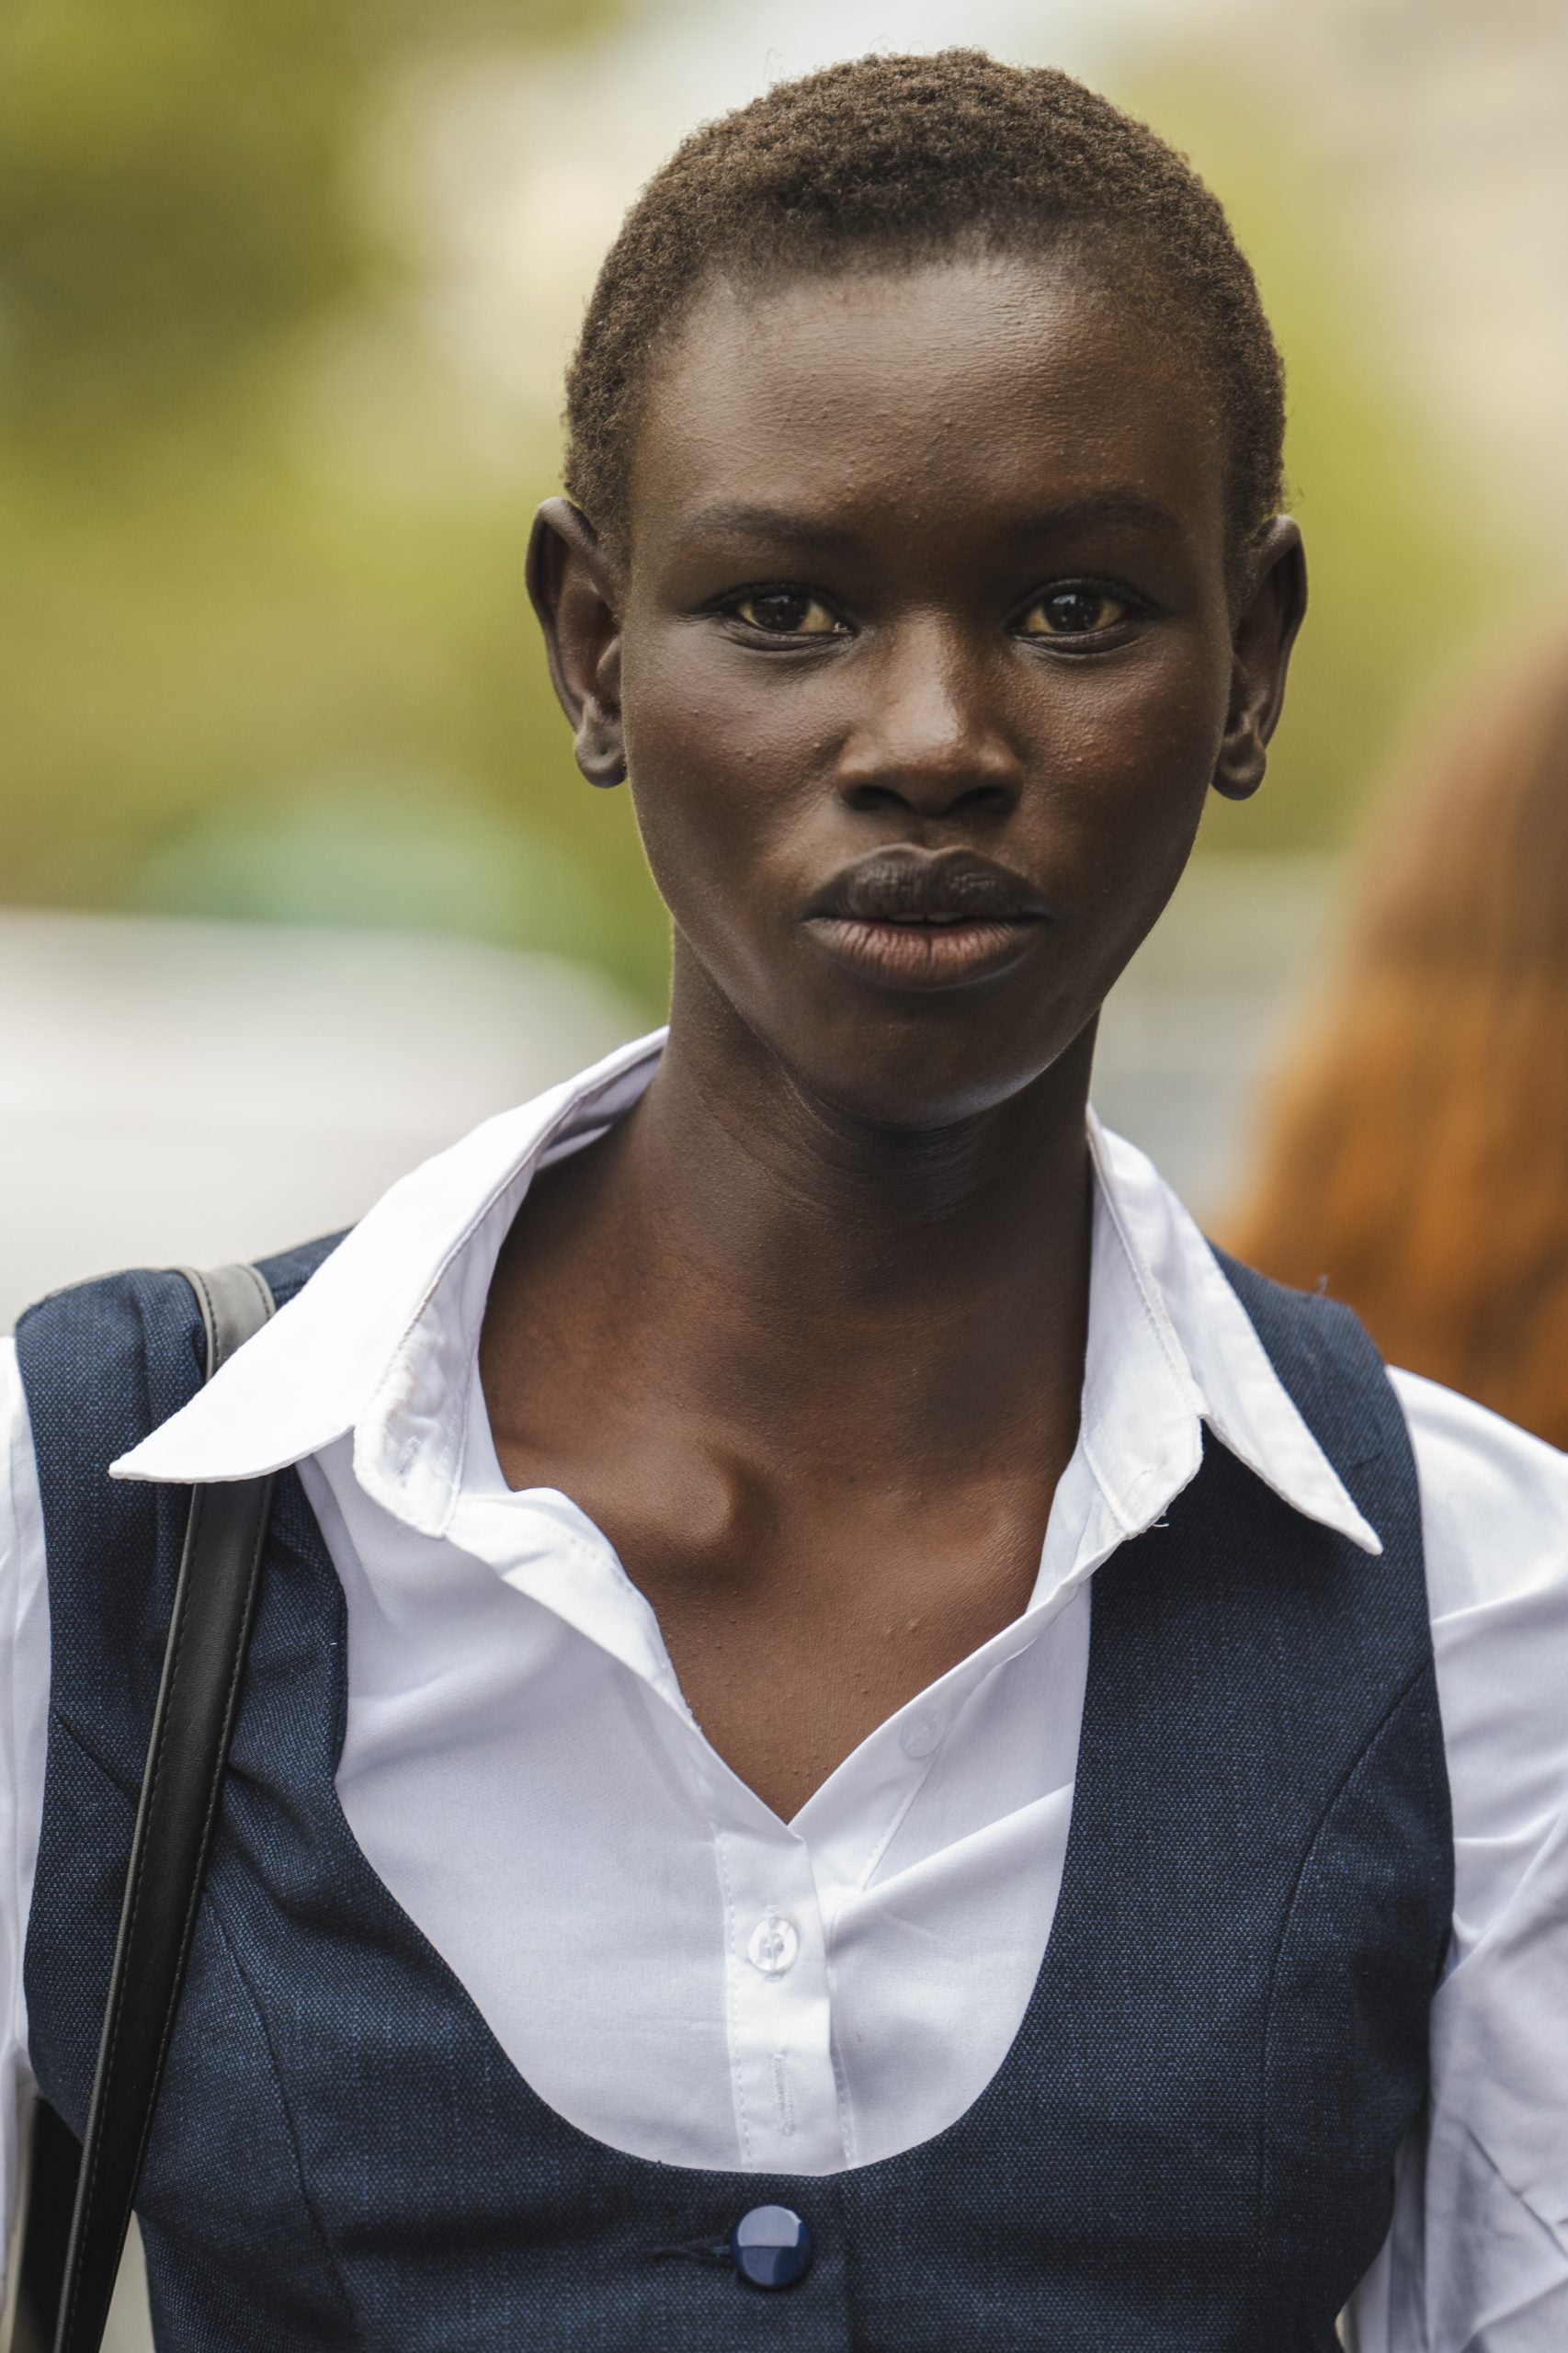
x: 901, y: 159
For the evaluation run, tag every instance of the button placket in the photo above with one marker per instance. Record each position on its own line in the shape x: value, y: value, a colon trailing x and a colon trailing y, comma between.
x: 779, y: 2007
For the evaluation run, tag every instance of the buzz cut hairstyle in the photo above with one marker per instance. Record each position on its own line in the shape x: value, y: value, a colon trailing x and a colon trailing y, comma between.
x: 888, y: 161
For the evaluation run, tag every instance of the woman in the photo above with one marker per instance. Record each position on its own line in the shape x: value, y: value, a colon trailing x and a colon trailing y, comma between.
x: 687, y: 1879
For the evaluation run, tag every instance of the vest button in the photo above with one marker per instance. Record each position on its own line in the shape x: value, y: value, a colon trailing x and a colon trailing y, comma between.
x: 770, y: 2247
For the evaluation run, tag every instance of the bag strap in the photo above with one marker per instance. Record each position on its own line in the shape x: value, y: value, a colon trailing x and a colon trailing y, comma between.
x: 209, y: 1630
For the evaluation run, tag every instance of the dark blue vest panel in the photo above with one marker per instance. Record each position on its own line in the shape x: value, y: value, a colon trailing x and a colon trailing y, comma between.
x: 1190, y: 2145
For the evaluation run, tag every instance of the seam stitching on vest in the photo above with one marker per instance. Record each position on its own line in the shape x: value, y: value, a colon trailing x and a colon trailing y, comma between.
x: 59, y: 1721
x: 85, y: 1749
x: 317, y: 2225
x: 1405, y: 1691
x: 846, y: 2240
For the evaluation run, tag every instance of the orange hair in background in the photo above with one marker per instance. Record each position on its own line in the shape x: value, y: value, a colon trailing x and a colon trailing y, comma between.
x: 1415, y: 1151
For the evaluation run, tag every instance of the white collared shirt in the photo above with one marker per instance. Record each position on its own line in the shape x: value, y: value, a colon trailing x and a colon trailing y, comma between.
x: 686, y: 1976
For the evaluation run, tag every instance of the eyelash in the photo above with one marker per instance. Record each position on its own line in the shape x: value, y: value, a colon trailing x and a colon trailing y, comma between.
x: 731, y: 610
x: 1113, y: 591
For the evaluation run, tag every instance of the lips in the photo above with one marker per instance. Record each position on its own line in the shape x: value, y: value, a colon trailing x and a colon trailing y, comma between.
x: 907, y: 918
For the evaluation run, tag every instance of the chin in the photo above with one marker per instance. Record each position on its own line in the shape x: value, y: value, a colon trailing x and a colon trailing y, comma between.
x: 918, y: 1063
x: 918, y: 1082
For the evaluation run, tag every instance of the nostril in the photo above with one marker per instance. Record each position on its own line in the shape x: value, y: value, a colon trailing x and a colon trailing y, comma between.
x: 970, y: 801
x: 986, y: 800
x: 873, y: 797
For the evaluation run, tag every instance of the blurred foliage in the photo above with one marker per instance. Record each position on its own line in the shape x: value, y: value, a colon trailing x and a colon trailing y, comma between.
x: 171, y: 195
x: 1406, y: 563
x: 226, y: 634
x: 176, y: 183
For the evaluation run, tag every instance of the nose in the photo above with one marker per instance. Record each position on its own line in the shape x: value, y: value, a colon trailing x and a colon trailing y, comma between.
x: 928, y: 737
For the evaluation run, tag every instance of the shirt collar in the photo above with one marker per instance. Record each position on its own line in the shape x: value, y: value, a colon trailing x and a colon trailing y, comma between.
x: 382, y: 1340
x: 1166, y: 1329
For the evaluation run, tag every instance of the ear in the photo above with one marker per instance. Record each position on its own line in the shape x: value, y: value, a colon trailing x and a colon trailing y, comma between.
x: 575, y: 592
x: 1271, y: 604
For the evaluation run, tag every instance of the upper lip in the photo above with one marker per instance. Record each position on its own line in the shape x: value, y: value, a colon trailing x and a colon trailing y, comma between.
x: 921, y: 886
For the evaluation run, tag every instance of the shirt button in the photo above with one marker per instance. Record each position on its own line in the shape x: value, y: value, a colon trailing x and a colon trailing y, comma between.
x: 922, y: 1735
x: 771, y: 1948
x: 770, y: 2247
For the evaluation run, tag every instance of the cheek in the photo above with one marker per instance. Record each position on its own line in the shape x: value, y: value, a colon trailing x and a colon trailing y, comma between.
x: 718, y: 769
x: 1122, y: 790
x: 1132, y: 747
x: 700, y: 833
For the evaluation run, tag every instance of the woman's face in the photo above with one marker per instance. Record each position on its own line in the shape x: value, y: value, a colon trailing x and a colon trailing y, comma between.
x: 925, y: 659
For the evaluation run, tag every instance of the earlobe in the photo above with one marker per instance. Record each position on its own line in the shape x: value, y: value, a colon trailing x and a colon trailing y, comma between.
x: 1242, y: 766
x: 573, y: 592
x: 600, y: 743
x: 1273, y: 604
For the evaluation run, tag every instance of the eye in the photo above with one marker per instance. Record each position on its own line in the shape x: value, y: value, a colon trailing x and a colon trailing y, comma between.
x: 1073, y: 612
x: 787, y: 612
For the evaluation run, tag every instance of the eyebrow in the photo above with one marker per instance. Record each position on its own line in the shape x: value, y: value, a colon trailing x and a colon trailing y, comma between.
x: 784, y: 527
x: 1127, y: 507
x: 738, y: 521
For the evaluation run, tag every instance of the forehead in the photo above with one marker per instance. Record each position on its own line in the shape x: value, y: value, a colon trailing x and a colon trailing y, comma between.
x: 987, y: 384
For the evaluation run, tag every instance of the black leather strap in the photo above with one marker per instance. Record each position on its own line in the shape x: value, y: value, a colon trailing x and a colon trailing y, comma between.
x: 208, y: 1629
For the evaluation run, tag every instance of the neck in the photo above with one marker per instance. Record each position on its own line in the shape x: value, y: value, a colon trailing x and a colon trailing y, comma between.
x: 799, y: 1264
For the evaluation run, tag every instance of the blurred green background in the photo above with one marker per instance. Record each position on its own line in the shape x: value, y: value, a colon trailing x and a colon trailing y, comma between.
x: 244, y: 669
x: 264, y: 650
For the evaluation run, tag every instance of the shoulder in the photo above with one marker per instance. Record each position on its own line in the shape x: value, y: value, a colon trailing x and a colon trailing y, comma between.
x: 1324, y: 1359
x: 115, y: 1354
x: 100, y: 1366
x: 1494, y: 1521
x: 104, y: 1362
x: 1312, y: 1334
x: 290, y: 1271
x: 1493, y: 1504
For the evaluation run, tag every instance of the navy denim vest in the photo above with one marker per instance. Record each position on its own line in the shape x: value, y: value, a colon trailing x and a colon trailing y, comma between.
x: 1189, y: 2145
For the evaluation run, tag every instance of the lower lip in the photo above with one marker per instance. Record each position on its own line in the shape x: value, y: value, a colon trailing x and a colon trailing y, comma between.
x: 912, y: 955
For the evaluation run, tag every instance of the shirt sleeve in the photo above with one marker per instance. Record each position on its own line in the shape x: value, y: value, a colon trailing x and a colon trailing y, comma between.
x: 24, y: 1735
x: 1477, y: 2258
